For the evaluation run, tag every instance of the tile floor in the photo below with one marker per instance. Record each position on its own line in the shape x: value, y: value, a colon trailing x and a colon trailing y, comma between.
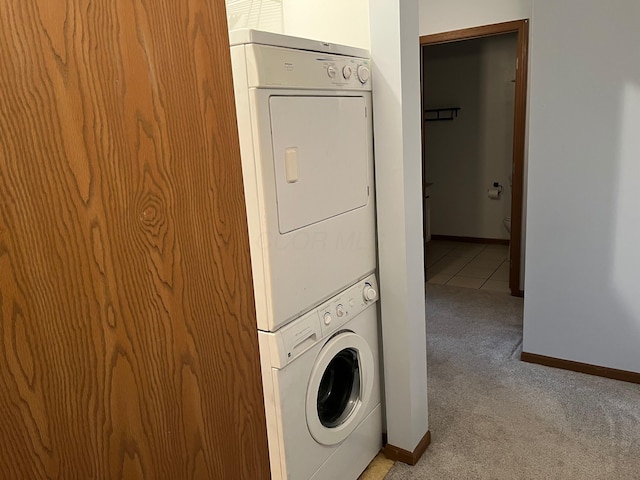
x: 470, y: 265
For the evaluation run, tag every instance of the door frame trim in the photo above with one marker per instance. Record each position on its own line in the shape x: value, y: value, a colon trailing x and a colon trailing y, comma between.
x: 521, y: 28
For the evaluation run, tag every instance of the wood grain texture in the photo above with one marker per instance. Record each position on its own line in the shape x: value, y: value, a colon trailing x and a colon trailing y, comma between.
x: 519, y: 134
x: 127, y: 321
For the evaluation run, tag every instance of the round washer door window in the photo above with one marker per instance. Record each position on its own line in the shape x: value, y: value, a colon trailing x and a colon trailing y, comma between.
x: 339, y: 388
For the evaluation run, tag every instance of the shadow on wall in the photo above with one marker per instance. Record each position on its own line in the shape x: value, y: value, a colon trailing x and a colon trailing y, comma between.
x: 583, y: 247
x: 625, y: 264
x: 617, y: 301
x: 622, y: 246
x: 451, y: 147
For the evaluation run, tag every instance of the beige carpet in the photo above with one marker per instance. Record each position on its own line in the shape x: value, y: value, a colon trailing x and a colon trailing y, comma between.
x: 495, y: 417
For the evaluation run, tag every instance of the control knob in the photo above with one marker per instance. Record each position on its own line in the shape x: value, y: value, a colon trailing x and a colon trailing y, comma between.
x: 346, y: 72
x: 331, y: 71
x: 327, y: 318
x: 340, y: 311
x: 363, y: 74
x: 369, y: 293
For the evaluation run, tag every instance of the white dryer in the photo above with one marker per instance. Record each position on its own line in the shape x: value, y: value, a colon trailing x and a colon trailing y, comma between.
x: 322, y: 389
x: 304, y: 118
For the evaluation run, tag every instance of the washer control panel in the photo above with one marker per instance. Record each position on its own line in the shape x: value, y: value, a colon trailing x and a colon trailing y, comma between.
x: 346, y: 305
x: 298, y: 336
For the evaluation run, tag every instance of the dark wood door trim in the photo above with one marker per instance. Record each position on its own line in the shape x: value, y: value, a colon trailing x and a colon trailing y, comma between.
x: 606, y: 372
x: 401, y: 455
x: 514, y: 26
x: 424, y: 178
x: 521, y: 28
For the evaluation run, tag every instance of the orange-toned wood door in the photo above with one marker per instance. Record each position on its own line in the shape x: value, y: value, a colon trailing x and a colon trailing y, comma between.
x: 127, y: 324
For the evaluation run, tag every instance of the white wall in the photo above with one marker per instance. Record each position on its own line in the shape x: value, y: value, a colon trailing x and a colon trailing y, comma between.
x: 466, y: 155
x: 264, y: 15
x: 583, y: 254
x: 396, y: 106
x: 335, y: 21
x: 444, y: 15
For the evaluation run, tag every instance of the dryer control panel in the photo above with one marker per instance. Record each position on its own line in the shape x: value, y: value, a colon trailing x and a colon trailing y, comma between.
x: 277, y: 67
x: 298, y: 336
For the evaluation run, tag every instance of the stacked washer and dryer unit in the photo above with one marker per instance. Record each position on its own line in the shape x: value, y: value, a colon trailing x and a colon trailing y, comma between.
x: 304, y: 117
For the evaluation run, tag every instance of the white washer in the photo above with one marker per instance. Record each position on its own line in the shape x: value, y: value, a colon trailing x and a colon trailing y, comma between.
x: 304, y: 118
x: 322, y: 389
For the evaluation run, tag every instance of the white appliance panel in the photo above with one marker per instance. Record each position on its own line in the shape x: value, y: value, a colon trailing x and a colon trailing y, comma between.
x: 320, y: 156
x: 310, y: 240
x: 296, y: 270
x: 303, y: 267
x: 274, y: 67
x: 258, y: 37
x: 296, y: 454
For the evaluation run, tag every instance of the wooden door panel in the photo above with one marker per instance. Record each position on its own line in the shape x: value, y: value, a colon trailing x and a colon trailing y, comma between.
x: 129, y: 342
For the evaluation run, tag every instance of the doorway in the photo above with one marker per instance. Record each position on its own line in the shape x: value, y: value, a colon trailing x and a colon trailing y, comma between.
x: 519, y: 30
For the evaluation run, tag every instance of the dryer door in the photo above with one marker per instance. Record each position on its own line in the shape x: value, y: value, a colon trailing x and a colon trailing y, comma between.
x: 321, y: 157
x: 339, y: 388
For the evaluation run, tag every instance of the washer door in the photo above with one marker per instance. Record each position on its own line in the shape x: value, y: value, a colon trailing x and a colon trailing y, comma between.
x: 339, y: 388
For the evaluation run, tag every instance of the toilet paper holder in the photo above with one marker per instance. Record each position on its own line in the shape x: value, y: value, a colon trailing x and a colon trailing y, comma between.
x: 494, y: 192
